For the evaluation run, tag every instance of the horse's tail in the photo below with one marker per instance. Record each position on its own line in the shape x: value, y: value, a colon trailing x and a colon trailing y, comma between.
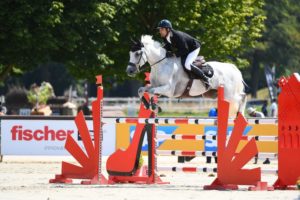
x: 245, y: 84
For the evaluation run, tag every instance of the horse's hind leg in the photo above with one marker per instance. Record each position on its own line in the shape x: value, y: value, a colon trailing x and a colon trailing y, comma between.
x: 242, y: 103
x: 237, y: 105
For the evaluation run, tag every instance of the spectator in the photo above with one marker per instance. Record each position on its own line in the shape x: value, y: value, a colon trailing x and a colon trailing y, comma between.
x: 274, y: 108
x: 85, y: 109
x: 213, y: 112
x: 2, y: 109
x: 253, y: 113
x: 264, y: 108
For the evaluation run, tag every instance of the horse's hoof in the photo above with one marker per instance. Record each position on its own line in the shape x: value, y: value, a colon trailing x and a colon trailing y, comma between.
x: 153, y: 107
x: 159, y: 109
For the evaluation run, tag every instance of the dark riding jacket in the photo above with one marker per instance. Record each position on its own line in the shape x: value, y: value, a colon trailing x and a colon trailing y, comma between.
x: 181, y: 44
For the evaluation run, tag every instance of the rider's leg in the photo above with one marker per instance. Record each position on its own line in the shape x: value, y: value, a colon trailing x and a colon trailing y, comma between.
x: 189, y: 66
x: 190, y: 58
x: 199, y: 73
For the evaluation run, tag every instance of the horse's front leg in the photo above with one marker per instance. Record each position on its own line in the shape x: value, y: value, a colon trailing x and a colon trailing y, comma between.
x: 166, y: 90
x: 141, y: 92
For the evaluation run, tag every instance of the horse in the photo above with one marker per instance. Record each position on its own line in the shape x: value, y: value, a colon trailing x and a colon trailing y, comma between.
x: 168, y: 78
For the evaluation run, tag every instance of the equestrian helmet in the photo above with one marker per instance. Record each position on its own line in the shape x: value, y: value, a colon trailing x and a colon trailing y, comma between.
x: 164, y: 24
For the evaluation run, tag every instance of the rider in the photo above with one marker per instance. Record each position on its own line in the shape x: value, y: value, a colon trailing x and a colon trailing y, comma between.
x: 185, y: 47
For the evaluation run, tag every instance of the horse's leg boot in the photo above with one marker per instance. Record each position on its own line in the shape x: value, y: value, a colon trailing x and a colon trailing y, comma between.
x: 145, y: 102
x: 153, y: 105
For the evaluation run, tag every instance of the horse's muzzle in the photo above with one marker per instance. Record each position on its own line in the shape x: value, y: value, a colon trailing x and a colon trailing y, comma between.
x: 131, y: 74
x: 131, y: 70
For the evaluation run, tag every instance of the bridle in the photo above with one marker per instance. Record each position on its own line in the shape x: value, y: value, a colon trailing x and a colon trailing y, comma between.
x: 135, y: 64
x: 145, y: 60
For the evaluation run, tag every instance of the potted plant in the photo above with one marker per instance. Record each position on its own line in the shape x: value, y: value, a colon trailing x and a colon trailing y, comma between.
x: 38, y: 97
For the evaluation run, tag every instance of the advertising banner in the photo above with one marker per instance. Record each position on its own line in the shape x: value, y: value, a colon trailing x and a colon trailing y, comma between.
x: 47, y: 137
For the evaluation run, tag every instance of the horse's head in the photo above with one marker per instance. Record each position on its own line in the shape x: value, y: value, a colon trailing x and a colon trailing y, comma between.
x: 137, y: 58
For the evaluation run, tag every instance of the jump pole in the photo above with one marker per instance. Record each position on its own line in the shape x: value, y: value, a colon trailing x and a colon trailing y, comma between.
x: 128, y: 172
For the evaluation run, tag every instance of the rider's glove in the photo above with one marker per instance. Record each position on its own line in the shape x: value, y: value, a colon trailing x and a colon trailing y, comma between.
x: 169, y: 54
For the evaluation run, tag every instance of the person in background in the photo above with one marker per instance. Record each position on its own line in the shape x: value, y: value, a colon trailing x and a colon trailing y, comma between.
x: 274, y: 108
x: 2, y: 109
x: 253, y: 113
x: 213, y: 112
x: 264, y: 108
x: 84, y: 108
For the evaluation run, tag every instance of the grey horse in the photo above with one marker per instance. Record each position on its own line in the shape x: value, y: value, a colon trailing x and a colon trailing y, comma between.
x: 168, y: 78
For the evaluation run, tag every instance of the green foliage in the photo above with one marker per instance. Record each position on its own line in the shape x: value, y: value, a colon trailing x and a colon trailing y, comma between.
x: 72, y: 33
x: 230, y: 28
x: 225, y: 28
x: 279, y: 44
x: 40, y: 95
x: 93, y: 37
x: 141, y: 161
x: 282, y: 36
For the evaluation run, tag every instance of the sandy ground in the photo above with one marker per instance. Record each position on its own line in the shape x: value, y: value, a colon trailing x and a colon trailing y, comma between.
x: 27, y: 178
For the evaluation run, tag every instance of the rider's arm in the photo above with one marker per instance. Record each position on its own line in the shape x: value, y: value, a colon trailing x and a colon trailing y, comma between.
x: 167, y: 45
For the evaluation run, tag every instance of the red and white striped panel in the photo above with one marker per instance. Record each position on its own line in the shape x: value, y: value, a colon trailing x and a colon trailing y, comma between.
x: 186, y: 137
x: 271, y: 156
x: 187, y: 169
x: 205, y: 121
x: 261, y: 138
x: 267, y: 155
x: 213, y: 137
x: 205, y: 169
x: 186, y: 153
x: 269, y: 171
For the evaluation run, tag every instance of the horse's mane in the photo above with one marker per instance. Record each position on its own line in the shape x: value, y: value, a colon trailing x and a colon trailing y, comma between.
x: 147, y: 40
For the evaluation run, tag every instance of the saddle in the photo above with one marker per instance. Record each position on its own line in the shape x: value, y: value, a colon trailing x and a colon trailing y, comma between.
x: 201, y: 64
x: 206, y: 69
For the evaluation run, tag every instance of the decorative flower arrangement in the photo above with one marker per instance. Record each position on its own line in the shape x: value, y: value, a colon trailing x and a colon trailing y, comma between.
x: 141, y: 161
x: 38, y: 96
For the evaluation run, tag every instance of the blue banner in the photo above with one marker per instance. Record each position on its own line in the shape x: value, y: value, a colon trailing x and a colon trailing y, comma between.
x: 161, y: 130
x: 211, y: 145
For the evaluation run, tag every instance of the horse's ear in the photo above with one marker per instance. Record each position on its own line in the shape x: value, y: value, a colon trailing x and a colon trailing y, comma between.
x: 133, y: 41
x: 140, y: 43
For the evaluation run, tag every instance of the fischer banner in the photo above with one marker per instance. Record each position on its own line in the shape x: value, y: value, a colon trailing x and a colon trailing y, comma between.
x: 47, y: 137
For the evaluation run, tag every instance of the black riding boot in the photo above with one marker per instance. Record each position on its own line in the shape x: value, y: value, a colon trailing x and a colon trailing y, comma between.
x: 199, y: 73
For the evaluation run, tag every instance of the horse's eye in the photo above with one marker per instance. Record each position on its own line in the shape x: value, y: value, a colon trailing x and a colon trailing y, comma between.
x: 137, y: 53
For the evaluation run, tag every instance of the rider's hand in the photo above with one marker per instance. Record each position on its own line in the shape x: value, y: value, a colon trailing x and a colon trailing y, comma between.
x: 169, y: 54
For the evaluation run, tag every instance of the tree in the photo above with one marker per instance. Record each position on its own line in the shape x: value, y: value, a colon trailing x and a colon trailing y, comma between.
x: 72, y: 33
x: 93, y: 37
x: 280, y: 42
x: 225, y: 28
x: 283, y: 35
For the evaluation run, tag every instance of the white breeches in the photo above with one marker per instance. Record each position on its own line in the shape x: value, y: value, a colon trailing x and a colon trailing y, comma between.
x: 191, y: 58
